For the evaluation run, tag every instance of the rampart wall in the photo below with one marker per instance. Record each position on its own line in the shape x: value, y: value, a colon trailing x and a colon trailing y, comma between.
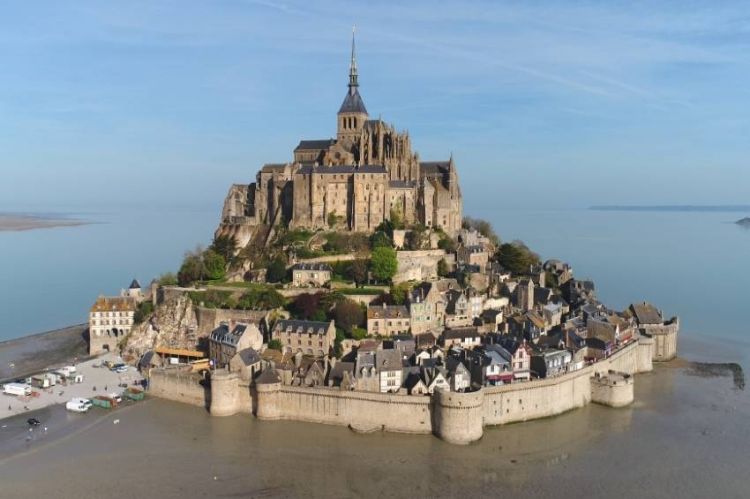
x: 179, y: 386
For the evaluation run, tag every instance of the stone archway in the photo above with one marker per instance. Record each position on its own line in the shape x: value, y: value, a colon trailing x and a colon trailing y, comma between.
x: 105, y: 347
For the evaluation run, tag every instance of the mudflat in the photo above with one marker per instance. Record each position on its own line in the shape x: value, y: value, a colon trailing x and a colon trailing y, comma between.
x: 31, y: 354
x: 686, y: 436
x: 13, y: 222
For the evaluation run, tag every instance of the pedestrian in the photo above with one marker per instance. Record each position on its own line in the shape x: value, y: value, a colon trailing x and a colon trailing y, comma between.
x: 9, y: 407
x: 105, y: 388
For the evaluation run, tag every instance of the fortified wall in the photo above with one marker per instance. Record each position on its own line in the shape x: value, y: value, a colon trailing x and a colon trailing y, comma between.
x: 455, y: 417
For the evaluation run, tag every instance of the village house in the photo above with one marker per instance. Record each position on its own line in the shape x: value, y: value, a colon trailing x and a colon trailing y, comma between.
x: 549, y: 363
x: 521, y: 358
x: 426, y: 307
x: 389, y: 365
x: 388, y: 320
x: 465, y: 337
x: 473, y: 255
x: 309, y: 337
x: 313, y: 275
x: 247, y: 363
x: 229, y: 338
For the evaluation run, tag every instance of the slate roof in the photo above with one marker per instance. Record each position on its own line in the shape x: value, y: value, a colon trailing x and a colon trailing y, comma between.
x: 273, y: 167
x: 460, y: 333
x: 401, y: 184
x: 135, y: 284
x: 267, y: 377
x: 389, y: 312
x: 645, y: 313
x: 297, y: 326
x: 314, y: 145
x: 388, y: 360
x: 353, y: 102
x: 249, y: 356
x: 434, y: 167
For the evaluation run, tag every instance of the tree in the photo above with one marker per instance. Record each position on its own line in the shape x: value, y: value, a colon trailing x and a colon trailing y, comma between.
x: 214, y: 264
x: 261, y: 298
x: 383, y: 263
x: 417, y: 237
x: 276, y: 270
x: 483, y: 227
x: 380, y: 238
x: 348, y: 314
x: 168, y: 279
x: 399, y: 293
x: 275, y: 345
x: 358, y: 271
x: 397, y: 220
x: 306, y: 305
x: 442, y: 268
x: 333, y: 219
x: 447, y: 244
x: 144, y: 309
x: 224, y: 246
x: 516, y: 257
x: 359, y: 333
x: 192, y: 268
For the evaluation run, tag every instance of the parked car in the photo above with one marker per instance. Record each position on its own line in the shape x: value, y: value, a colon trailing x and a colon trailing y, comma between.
x: 33, y: 422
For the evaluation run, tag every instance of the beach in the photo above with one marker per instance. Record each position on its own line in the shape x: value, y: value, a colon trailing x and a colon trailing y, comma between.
x: 685, y: 436
x: 24, y: 356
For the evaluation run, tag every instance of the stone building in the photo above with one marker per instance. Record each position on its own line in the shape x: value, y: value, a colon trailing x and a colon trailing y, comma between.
x: 308, y: 337
x: 311, y: 274
x: 110, y: 321
x: 387, y: 320
x: 353, y: 181
x: 229, y: 339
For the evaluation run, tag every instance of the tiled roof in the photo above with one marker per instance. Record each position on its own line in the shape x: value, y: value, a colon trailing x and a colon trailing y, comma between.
x: 297, y: 326
x: 307, y: 145
x: 389, y: 312
x: 114, y: 304
x: 320, y: 267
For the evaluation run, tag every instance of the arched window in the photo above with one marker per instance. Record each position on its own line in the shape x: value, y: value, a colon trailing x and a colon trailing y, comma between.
x: 355, y: 122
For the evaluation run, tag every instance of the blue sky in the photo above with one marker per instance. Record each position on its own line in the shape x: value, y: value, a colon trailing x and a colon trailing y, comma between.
x: 558, y: 104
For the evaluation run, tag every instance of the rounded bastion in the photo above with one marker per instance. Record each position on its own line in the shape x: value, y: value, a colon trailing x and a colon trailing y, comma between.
x: 458, y: 417
x: 224, y: 391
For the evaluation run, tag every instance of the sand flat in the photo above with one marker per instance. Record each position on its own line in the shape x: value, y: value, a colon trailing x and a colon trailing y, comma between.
x: 14, y: 222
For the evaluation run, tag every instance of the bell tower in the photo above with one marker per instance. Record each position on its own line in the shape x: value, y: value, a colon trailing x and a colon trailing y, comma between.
x: 352, y: 114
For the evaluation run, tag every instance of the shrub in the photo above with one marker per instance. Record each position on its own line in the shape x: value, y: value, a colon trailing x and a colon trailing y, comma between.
x: 383, y: 263
x: 275, y: 345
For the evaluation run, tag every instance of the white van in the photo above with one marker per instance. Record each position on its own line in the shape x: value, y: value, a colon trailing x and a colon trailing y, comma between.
x: 18, y: 389
x: 78, y: 405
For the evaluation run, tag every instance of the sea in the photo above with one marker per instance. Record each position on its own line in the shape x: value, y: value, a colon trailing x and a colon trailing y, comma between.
x: 686, y: 434
x: 688, y: 263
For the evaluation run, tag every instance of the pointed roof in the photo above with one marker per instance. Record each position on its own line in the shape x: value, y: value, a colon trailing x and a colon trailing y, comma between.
x: 353, y: 102
x: 135, y: 284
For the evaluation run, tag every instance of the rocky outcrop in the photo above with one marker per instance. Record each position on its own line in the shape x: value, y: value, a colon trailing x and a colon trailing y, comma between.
x: 173, y: 324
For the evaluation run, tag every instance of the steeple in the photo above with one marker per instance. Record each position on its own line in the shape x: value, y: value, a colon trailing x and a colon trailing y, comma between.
x: 353, y: 68
x: 352, y: 113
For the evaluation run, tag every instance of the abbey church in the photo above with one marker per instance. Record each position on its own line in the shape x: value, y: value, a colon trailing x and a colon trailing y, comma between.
x: 352, y: 182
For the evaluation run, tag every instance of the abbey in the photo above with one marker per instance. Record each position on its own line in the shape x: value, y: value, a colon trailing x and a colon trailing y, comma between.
x: 366, y: 175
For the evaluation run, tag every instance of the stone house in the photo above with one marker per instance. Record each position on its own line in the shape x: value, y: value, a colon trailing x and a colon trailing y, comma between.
x: 523, y: 295
x: 229, y: 338
x: 388, y: 320
x: 110, y: 321
x: 465, y: 337
x: 342, y: 375
x: 311, y: 275
x: 549, y: 363
x: 247, y: 363
x: 609, y: 327
x: 426, y: 308
x: 437, y: 380
x: 309, y: 337
x: 473, y: 255
x: 521, y: 357
x: 389, y: 365
x: 459, y: 377
x: 415, y: 385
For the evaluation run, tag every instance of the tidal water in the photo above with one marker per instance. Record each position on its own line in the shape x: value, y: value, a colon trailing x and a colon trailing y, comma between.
x: 690, y: 264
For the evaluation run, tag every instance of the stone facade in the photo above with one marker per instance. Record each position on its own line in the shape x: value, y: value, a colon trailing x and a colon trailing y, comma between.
x: 308, y: 337
x: 313, y: 275
x: 353, y: 182
x: 110, y: 321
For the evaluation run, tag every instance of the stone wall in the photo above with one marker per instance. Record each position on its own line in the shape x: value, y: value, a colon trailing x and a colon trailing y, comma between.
x: 455, y: 417
x: 179, y: 386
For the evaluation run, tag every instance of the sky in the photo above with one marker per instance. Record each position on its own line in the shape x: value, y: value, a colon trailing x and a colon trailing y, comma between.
x: 542, y: 104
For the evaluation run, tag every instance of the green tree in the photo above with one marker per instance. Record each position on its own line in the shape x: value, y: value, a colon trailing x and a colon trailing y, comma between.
x: 358, y: 271
x: 516, y: 257
x: 214, y: 264
x: 417, y: 238
x: 276, y: 270
x: 333, y: 219
x: 399, y: 293
x: 483, y: 227
x: 442, y: 268
x: 359, y: 333
x: 224, y: 246
x: 192, y: 268
x: 397, y: 219
x: 383, y: 263
x: 348, y: 314
x: 447, y: 244
x: 168, y: 279
x: 144, y: 310
x: 275, y: 345
x: 380, y: 238
x: 261, y: 298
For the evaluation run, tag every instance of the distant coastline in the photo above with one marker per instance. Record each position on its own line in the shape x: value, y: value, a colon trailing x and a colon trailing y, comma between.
x: 676, y: 207
x: 743, y: 222
x: 20, y: 222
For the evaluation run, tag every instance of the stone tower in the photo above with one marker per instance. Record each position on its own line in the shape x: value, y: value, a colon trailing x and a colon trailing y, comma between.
x: 352, y: 115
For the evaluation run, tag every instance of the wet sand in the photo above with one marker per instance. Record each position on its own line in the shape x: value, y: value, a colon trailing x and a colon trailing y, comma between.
x: 15, y: 222
x: 686, y: 436
x: 31, y: 354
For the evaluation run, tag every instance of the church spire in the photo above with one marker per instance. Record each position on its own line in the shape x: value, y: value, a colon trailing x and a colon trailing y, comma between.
x: 353, y: 68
